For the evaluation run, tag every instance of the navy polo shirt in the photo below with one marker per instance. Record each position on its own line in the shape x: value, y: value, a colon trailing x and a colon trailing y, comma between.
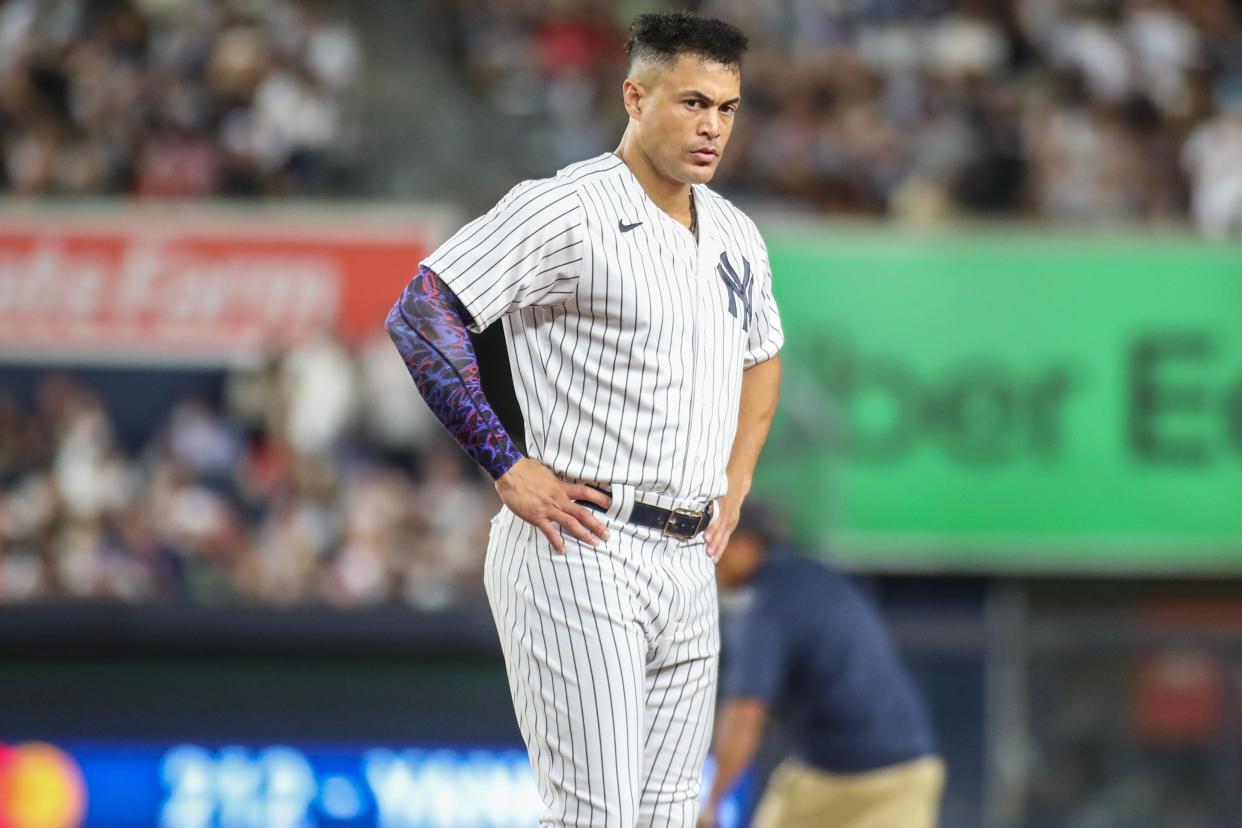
x: 801, y: 637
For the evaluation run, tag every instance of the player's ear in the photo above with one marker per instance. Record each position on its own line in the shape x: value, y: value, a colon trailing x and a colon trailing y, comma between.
x: 632, y: 95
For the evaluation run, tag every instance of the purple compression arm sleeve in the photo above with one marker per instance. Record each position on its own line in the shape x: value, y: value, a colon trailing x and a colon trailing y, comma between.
x: 428, y: 326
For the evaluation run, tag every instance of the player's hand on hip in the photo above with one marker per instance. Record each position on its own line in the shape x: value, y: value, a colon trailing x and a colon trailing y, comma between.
x: 717, y: 535
x: 539, y: 497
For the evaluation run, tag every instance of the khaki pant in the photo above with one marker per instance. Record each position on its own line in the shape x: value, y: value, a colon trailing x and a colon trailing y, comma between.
x: 900, y: 796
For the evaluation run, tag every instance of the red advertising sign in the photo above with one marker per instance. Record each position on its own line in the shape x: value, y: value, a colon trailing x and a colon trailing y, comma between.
x: 197, y: 286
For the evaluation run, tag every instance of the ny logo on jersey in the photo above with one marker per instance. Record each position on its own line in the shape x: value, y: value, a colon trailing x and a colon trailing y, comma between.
x: 738, y: 288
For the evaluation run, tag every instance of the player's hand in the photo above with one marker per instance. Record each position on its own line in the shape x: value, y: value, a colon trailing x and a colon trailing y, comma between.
x: 539, y: 497
x: 707, y: 818
x: 717, y: 535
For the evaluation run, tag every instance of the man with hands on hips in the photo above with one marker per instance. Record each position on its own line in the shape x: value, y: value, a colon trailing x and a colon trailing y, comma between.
x: 643, y: 341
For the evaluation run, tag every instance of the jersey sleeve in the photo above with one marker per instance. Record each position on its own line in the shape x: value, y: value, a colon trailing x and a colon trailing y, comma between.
x: 766, y: 334
x: 527, y: 250
x: 755, y: 656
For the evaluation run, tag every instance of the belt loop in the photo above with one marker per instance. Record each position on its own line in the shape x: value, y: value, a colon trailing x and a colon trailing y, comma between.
x: 622, y: 503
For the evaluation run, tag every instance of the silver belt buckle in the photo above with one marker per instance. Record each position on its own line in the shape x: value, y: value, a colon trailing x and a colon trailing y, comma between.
x: 673, y: 526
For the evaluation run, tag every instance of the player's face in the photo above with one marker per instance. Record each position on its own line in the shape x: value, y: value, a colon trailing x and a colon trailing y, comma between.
x: 686, y: 117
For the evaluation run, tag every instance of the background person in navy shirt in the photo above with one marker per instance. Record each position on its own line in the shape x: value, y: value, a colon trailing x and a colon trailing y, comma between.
x: 800, y: 638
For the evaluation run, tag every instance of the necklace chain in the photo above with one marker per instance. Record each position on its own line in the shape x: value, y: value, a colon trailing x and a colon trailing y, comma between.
x: 694, y: 217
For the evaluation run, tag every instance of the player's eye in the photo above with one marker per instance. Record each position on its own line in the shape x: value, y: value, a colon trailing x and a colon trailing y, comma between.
x: 729, y: 108
x: 693, y: 103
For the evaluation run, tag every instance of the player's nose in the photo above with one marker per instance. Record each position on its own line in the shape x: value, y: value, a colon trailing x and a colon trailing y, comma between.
x: 709, y: 127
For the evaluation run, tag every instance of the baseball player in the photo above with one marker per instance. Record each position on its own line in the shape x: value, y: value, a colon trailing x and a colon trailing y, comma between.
x: 642, y: 337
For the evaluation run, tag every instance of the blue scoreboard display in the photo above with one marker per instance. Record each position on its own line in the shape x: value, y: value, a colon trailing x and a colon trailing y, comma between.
x: 138, y: 785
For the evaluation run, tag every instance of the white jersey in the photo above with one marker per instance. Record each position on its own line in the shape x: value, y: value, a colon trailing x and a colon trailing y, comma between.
x: 626, y: 338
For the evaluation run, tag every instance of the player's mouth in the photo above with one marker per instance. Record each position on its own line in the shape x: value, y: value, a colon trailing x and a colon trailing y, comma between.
x: 705, y: 156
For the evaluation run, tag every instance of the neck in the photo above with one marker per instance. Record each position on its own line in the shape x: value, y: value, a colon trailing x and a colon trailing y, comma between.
x: 670, y: 195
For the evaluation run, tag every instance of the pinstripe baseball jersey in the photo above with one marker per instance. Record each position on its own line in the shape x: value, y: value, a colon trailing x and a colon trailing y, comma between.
x: 626, y: 338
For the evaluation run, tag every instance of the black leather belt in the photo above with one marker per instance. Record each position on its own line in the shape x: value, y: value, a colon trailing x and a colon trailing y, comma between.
x: 679, y: 523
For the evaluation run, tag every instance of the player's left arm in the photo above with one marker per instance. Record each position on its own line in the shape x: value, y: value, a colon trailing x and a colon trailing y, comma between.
x: 761, y: 385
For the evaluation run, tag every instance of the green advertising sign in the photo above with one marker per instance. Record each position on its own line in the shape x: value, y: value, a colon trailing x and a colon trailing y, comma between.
x: 998, y: 402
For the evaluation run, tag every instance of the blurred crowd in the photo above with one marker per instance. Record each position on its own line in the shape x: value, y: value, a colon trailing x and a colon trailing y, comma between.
x: 1105, y: 111
x: 318, y: 477
x: 1068, y: 110
x: 173, y: 98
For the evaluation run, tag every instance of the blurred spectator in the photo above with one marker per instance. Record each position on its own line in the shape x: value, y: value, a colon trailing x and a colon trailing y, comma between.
x: 280, y: 498
x: 320, y: 395
x: 1213, y: 158
x: 172, y: 98
x: 394, y: 414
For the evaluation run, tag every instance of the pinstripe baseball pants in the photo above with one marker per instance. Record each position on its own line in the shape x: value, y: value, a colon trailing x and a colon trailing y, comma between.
x: 611, y: 654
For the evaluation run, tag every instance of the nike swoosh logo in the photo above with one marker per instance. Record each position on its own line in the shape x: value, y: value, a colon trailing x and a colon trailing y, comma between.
x: 625, y: 228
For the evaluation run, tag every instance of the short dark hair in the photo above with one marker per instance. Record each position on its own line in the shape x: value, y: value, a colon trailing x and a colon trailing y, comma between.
x: 662, y: 37
x: 768, y: 523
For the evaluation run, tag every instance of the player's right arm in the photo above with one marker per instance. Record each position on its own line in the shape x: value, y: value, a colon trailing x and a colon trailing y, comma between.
x: 430, y: 327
